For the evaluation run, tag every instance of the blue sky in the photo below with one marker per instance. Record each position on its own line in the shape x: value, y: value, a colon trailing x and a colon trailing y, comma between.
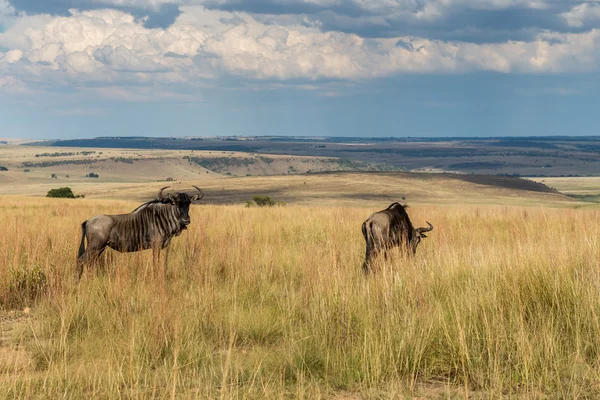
x: 86, y: 68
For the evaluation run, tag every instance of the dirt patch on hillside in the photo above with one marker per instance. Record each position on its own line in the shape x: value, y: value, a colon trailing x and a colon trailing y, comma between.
x: 507, y: 182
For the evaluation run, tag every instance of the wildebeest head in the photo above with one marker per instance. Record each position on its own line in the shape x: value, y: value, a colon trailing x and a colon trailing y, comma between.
x: 418, y: 235
x: 182, y: 201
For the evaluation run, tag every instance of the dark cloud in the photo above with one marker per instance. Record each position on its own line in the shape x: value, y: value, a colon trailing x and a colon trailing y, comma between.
x: 162, y: 18
x: 471, y: 25
x: 265, y: 7
x: 174, y: 55
x: 469, y: 22
x: 54, y: 7
x: 464, y: 23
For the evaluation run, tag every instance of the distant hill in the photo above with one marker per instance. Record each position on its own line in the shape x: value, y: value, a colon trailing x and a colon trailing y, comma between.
x: 528, y: 156
x: 355, y: 189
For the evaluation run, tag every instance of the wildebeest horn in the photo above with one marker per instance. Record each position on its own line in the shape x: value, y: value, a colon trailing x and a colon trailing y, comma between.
x: 421, y: 230
x: 199, y: 191
x: 160, y: 197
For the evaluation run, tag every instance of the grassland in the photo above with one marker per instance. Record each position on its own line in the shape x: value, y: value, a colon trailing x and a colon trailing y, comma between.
x: 502, y: 299
x: 272, y: 303
x: 33, y: 170
x: 581, y: 188
x: 137, y: 175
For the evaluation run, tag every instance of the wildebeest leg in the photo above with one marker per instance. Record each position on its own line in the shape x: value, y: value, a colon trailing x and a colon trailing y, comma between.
x: 377, y: 244
x: 155, y: 256
x: 369, y: 245
x: 166, y: 257
x: 90, y: 257
x: 96, y: 234
x: 79, y: 268
x: 157, y: 261
x: 367, y: 263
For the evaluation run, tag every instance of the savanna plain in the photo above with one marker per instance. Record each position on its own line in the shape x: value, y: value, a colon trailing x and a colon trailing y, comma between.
x: 501, y: 300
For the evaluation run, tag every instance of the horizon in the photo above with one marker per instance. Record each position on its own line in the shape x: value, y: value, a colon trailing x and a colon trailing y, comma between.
x: 318, y: 138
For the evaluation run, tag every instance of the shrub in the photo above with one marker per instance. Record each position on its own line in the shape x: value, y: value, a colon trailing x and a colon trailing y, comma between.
x: 53, y: 176
x: 263, y: 201
x: 26, y: 170
x: 3, y: 168
x: 64, y: 192
x: 26, y: 285
x: 93, y: 175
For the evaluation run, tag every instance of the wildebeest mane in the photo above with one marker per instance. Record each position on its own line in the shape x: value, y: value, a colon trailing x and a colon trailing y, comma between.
x: 155, y: 201
x: 399, y: 218
x: 394, y: 204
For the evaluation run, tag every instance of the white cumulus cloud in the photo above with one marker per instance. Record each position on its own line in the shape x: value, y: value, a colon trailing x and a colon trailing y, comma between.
x: 111, y: 48
x: 579, y: 15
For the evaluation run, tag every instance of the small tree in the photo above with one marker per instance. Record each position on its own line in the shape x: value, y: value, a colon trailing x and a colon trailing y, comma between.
x: 263, y: 201
x: 53, y: 176
x: 64, y: 192
x: 93, y: 175
x: 3, y: 168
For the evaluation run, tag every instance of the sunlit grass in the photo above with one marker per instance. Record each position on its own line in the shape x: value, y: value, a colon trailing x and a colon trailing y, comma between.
x: 272, y: 303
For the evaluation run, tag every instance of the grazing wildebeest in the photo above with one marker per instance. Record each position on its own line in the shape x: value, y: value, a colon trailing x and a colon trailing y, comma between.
x: 390, y: 228
x: 150, y: 226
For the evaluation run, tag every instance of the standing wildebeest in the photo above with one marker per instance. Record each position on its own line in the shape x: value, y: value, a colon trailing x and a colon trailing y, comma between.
x: 390, y: 228
x: 150, y: 226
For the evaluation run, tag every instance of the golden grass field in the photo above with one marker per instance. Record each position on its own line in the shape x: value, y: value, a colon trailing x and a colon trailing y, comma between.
x: 586, y: 188
x: 502, y: 299
x: 272, y: 303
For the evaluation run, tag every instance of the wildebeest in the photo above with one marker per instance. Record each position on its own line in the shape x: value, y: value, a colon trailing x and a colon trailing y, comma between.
x: 390, y: 228
x: 150, y: 226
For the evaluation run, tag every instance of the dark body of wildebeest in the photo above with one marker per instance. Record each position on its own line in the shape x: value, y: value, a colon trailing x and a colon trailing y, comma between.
x: 390, y: 228
x: 150, y: 226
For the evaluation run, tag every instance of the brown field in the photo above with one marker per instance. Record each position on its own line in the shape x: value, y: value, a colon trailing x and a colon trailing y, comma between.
x: 33, y: 170
x: 502, y: 299
x: 580, y: 188
x: 533, y: 156
x: 271, y: 303
x: 148, y: 170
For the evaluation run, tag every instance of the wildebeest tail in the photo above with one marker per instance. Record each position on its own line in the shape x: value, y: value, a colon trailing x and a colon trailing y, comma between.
x: 366, y: 230
x: 367, y: 234
x: 82, y: 244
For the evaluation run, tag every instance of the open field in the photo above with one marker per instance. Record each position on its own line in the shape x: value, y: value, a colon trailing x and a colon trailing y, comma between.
x: 580, y: 188
x: 272, y: 303
x: 525, y: 156
x: 348, y: 189
x: 33, y: 165
x: 502, y: 299
x: 137, y: 175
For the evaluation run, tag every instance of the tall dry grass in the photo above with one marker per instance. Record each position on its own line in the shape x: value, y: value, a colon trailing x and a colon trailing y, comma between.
x: 262, y: 303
